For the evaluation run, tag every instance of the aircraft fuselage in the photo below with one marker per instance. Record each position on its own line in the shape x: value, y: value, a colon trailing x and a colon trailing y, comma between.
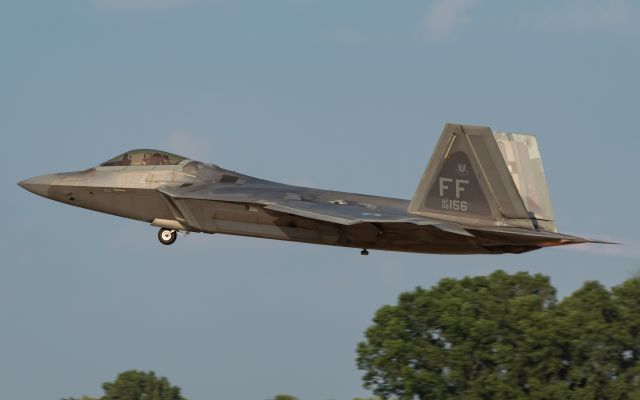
x: 481, y: 193
x: 131, y: 192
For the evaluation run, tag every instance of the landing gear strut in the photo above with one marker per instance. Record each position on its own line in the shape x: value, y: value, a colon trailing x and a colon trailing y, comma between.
x: 364, y: 252
x: 167, y: 236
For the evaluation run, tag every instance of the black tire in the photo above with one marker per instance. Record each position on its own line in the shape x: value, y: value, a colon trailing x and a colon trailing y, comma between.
x: 167, y: 236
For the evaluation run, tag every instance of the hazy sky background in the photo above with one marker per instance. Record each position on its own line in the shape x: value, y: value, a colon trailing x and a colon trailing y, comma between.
x: 345, y: 95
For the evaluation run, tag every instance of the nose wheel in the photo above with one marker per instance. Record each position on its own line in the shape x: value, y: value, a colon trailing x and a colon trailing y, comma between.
x: 167, y: 236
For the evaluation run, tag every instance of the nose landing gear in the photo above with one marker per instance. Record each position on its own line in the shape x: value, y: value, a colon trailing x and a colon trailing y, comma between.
x: 364, y: 252
x: 167, y: 236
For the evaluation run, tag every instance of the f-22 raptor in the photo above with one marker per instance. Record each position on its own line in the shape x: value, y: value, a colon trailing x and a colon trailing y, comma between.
x: 481, y: 193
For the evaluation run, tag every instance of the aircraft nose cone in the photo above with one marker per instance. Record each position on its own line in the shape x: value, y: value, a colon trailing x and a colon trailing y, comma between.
x: 39, y: 185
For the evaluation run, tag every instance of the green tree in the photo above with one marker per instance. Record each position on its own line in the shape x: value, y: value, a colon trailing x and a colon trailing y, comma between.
x: 139, y: 385
x: 592, y: 348
x: 505, y: 337
x: 285, y: 397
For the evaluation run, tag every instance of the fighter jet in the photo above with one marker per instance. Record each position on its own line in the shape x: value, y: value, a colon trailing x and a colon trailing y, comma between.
x: 481, y: 193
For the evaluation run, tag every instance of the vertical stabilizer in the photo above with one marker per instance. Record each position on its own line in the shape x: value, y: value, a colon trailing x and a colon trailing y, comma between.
x: 467, y: 181
x: 522, y: 156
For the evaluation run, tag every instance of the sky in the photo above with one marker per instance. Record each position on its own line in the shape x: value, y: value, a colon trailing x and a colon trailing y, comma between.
x: 344, y: 95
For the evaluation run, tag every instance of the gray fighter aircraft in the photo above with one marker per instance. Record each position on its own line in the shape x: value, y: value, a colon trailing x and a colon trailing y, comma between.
x: 481, y: 193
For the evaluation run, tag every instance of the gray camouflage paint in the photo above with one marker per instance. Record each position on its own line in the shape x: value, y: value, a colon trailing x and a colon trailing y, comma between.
x: 467, y: 166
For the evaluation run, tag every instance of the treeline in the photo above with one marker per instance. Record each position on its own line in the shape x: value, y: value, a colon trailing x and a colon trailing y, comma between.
x: 137, y: 385
x: 506, y: 337
x: 489, y: 337
x: 141, y: 385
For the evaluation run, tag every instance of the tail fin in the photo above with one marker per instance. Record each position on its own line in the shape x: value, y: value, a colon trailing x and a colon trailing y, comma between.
x: 467, y: 180
x: 522, y: 156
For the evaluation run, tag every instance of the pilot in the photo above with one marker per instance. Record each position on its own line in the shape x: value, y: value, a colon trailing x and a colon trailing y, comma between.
x: 126, y: 159
x: 155, y: 159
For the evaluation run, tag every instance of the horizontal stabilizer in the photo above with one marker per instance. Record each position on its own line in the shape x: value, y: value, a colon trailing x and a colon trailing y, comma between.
x: 542, y: 238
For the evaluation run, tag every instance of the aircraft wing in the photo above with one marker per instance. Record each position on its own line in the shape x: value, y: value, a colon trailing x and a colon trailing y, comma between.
x: 351, y: 215
x: 341, y: 214
x: 284, y: 200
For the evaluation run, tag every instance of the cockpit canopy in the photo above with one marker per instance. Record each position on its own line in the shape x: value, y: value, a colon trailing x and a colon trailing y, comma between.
x: 141, y: 157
